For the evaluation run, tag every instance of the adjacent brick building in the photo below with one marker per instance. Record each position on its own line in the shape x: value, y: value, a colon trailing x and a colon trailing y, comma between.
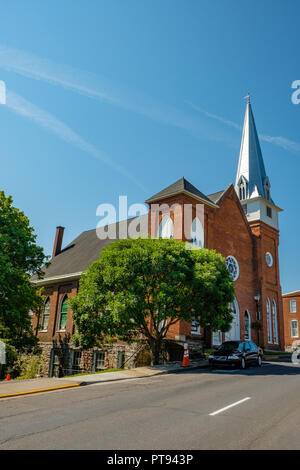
x: 291, y: 318
x: 240, y: 222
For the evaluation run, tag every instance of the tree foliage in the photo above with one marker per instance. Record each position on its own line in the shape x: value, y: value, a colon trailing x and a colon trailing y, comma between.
x: 142, y: 287
x: 20, y: 258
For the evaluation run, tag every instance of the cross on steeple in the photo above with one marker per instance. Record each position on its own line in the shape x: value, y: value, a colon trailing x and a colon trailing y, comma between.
x: 247, y: 97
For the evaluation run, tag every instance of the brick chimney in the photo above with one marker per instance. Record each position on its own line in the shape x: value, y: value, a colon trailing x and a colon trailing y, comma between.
x: 58, y: 240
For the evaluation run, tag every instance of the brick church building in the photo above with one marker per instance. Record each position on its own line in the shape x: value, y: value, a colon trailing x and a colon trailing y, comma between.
x: 240, y: 222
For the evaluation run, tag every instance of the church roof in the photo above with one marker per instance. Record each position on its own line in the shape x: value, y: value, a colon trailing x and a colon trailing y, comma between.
x: 80, y: 254
x: 215, y: 197
x: 86, y: 248
x: 180, y: 186
x: 251, y: 165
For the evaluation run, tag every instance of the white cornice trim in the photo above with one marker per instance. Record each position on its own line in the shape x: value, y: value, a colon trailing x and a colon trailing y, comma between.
x: 54, y: 279
x: 260, y: 198
x: 293, y: 292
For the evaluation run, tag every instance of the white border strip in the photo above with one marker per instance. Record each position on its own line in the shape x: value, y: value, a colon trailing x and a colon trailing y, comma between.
x: 229, y: 406
x: 62, y: 277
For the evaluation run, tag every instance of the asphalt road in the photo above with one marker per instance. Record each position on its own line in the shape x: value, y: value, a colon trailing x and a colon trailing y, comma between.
x: 175, y: 411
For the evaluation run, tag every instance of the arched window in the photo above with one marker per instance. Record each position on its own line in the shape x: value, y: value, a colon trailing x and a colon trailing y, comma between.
x: 234, y: 332
x: 267, y: 189
x: 217, y: 338
x: 197, y: 233
x: 62, y: 320
x: 247, y: 322
x: 275, y: 323
x: 269, y: 321
x: 45, y: 315
x: 243, y: 189
x: 166, y: 227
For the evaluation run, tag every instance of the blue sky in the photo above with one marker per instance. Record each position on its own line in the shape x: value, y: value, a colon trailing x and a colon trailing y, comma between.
x: 123, y: 98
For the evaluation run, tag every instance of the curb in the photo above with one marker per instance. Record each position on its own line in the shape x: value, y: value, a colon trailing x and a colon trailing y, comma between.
x: 183, y: 369
x: 163, y: 372
x: 40, y: 390
x: 279, y: 356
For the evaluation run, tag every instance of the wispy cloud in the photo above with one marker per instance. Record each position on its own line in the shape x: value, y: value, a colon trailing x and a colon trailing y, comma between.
x: 282, y: 142
x: 102, y: 89
x: 214, y: 116
x: 25, y: 108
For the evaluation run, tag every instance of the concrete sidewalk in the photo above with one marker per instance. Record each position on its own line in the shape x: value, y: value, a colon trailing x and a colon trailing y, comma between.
x: 25, y: 387
x: 138, y: 372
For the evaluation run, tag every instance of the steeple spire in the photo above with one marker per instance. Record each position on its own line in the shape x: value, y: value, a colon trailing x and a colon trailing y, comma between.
x: 251, y: 177
x: 252, y: 183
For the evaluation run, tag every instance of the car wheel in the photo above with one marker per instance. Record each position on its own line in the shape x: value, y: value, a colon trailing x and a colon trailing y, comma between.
x: 259, y: 361
x: 243, y: 363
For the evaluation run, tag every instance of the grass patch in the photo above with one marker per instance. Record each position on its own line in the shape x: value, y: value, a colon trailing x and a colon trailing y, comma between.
x: 209, y: 351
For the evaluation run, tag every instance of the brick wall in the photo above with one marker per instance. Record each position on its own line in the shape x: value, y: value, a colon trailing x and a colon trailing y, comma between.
x: 227, y: 231
x: 288, y: 316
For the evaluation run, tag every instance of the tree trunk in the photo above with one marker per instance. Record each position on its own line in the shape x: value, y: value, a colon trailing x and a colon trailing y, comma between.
x: 155, y: 347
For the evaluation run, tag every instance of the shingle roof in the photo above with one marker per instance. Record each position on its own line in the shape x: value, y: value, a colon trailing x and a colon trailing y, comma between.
x: 81, y: 252
x: 182, y: 185
x: 215, y: 197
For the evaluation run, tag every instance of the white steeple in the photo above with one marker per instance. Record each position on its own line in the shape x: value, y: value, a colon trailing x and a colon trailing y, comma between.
x: 252, y: 184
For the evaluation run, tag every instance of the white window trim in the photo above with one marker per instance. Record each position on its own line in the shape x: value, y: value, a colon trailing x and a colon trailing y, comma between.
x: 60, y: 330
x: 293, y: 311
x: 269, y: 322
x: 249, y: 317
x: 220, y: 338
x: 166, y: 227
x: 197, y: 233
x: 293, y: 336
x: 44, y: 330
x: 198, y: 331
x: 237, y: 266
x: 275, y: 322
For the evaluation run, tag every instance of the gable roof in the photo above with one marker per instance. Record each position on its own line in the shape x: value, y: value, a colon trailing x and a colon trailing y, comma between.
x: 80, y: 254
x: 215, y: 197
x: 180, y: 186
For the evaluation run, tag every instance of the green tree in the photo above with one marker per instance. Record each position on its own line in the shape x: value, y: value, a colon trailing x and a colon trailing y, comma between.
x: 20, y: 258
x: 142, y: 287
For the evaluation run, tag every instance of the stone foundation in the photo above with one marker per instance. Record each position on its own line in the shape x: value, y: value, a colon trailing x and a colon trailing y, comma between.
x: 65, y: 359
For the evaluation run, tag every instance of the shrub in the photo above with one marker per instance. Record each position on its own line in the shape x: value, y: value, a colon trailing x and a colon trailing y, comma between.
x: 29, y: 366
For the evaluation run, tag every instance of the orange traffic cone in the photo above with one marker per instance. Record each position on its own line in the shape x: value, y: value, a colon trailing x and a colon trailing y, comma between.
x: 8, y: 377
x: 186, y: 356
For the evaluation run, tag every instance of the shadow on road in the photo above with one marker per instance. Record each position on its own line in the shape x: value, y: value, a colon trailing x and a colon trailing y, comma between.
x: 282, y: 367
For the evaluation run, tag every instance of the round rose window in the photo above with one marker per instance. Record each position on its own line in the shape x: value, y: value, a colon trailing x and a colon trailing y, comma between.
x: 233, y: 267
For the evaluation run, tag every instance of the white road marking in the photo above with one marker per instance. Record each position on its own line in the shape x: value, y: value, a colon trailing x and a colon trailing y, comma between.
x: 229, y: 406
